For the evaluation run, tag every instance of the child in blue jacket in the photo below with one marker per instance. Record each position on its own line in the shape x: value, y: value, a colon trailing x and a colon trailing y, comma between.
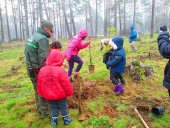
x: 133, y: 36
x: 116, y: 63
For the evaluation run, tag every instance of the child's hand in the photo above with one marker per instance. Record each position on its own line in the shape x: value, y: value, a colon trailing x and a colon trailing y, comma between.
x: 88, y: 42
x: 109, y: 68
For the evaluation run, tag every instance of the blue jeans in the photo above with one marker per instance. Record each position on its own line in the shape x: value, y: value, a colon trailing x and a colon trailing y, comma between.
x: 116, y: 78
x: 58, y: 105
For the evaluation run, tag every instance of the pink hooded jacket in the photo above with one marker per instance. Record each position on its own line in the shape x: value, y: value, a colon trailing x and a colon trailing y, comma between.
x: 76, y: 44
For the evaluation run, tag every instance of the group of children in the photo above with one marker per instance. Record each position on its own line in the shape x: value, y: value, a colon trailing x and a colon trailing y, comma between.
x: 54, y: 84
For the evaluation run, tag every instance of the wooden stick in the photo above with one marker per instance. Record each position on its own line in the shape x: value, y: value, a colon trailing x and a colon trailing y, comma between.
x: 141, y: 118
x: 79, y: 93
x: 90, y: 52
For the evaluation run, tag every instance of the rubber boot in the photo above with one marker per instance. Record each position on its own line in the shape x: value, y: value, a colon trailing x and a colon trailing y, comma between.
x: 54, y: 121
x: 71, y: 79
x: 123, y: 82
x: 75, y: 74
x: 67, y: 120
x: 119, y: 89
x: 115, y: 89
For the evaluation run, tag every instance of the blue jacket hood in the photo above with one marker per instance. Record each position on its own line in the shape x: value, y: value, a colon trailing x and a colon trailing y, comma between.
x: 118, y: 40
x: 132, y: 27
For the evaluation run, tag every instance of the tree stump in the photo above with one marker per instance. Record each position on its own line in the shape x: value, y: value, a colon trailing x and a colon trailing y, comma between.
x: 138, y: 71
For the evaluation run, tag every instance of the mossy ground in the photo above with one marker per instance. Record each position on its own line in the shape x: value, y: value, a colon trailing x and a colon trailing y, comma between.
x: 17, y: 108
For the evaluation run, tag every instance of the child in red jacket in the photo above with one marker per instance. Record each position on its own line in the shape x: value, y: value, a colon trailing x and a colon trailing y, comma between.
x: 54, y: 84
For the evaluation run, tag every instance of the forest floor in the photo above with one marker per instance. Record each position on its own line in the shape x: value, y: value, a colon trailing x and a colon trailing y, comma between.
x: 101, y: 108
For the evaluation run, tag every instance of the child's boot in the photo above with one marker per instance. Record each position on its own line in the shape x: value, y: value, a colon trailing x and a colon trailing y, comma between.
x: 119, y: 89
x: 123, y: 82
x: 71, y: 79
x: 67, y: 120
x: 54, y: 121
x: 115, y: 89
x: 75, y: 74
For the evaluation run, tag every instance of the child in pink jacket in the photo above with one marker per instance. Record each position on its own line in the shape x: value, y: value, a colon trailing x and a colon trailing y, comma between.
x: 71, y: 54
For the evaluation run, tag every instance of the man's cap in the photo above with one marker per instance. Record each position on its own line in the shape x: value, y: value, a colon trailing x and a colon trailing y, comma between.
x: 47, y: 24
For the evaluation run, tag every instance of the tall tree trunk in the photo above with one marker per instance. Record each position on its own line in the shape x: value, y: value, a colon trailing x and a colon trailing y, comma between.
x: 105, y: 18
x: 58, y: 15
x: 65, y: 17
x: 40, y: 10
x: 152, y: 20
x: 20, y: 19
x: 2, y: 30
x: 134, y: 12
x: 54, y: 18
x: 8, y: 30
x: 120, y: 20
x: 96, y: 20
x: 26, y: 18
x: 115, y: 18
x: 46, y: 12
x: 90, y: 17
x: 60, y: 18
x: 124, y: 17
x: 22, y: 22
x: 33, y: 17
x: 72, y: 18
x: 86, y: 19
x: 14, y: 17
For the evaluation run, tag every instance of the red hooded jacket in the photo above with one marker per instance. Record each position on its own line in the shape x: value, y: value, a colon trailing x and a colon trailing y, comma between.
x: 53, y: 82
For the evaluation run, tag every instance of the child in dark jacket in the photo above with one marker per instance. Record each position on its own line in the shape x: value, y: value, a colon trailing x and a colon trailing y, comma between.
x: 164, y: 49
x: 116, y: 64
x: 54, y: 84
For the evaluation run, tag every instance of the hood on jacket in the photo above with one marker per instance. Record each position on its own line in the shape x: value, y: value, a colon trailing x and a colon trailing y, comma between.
x: 83, y: 33
x: 41, y: 30
x: 132, y: 27
x: 55, y: 58
x: 118, y: 41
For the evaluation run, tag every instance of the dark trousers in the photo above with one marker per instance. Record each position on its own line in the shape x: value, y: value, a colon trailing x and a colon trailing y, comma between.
x: 41, y: 103
x: 116, y: 78
x: 77, y: 59
x: 58, y: 105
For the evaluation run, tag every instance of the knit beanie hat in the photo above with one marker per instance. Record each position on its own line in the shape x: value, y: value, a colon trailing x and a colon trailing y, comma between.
x: 47, y: 24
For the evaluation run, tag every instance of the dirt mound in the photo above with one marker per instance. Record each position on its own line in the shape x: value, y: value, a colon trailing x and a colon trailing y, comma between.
x: 109, y: 111
x: 89, y: 90
x: 154, y: 56
x: 140, y: 58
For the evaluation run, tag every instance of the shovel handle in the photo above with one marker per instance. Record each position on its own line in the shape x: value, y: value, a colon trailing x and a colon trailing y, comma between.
x: 90, y: 53
x: 79, y: 93
x: 141, y: 118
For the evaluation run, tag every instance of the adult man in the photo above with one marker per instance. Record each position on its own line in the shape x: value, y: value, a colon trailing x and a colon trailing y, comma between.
x: 36, y: 51
x: 164, y: 49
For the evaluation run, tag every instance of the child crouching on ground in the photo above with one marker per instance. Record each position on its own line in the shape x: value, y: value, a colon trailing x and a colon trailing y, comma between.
x: 115, y: 61
x: 54, y: 84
